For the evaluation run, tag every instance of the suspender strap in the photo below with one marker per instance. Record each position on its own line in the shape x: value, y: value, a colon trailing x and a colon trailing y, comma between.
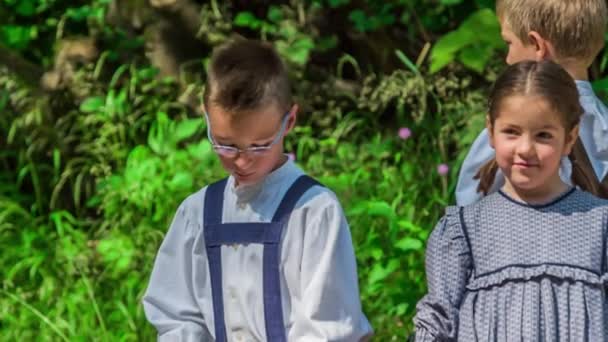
x: 218, y: 234
x: 214, y: 203
x: 297, y: 189
x: 273, y: 311
x: 241, y: 233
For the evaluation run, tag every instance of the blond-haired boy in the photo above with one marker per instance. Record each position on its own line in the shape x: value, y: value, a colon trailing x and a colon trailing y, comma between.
x: 571, y: 33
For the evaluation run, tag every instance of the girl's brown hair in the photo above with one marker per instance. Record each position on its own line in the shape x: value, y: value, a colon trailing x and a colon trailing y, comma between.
x: 552, y: 83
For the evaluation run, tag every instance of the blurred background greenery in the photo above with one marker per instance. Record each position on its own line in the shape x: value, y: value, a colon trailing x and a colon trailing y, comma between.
x: 102, y: 139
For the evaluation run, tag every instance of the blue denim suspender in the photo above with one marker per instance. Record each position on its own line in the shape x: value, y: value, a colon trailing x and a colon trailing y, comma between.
x: 266, y: 233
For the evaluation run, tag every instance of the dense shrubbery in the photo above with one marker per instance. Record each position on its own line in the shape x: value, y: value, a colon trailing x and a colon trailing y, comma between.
x: 102, y: 140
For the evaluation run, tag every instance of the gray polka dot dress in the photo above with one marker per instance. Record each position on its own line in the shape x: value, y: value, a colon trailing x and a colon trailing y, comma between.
x: 501, y: 270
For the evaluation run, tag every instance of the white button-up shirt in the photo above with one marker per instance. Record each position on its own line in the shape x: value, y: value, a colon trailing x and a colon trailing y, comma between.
x: 319, y: 287
x: 594, y: 136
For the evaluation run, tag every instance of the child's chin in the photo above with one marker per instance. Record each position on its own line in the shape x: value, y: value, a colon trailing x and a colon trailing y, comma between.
x: 247, y: 180
x: 523, y: 182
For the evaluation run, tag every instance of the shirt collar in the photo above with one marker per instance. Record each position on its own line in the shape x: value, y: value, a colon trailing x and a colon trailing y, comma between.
x: 246, y: 193
x: 584, y: 88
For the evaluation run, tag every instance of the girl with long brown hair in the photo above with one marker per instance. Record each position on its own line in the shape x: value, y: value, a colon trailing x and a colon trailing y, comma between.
x: 527, y: 263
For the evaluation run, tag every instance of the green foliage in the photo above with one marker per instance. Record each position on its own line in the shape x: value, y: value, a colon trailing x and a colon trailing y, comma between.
x: 31, y: 26
x: 282, y: 27
x: 102, y: 166
x: 473, y: 44
x: 18, y: 37
x: 92, y: 174
x: 383, y: 16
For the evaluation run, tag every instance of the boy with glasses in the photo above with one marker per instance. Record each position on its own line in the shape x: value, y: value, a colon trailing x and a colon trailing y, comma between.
x: 265, y: 254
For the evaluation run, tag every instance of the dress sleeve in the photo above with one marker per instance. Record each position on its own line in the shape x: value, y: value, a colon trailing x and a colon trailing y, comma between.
x: 448, y: 268
x: 169, y: 302
x: 479, y: 154
x: 328, y: 307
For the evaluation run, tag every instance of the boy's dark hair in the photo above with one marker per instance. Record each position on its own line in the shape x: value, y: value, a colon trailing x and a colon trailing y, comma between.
x: 246, y: 75
x: 553, y: 84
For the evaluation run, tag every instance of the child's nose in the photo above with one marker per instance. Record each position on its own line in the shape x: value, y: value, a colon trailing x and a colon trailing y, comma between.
x: 242, y: 161
x: 525, y: 147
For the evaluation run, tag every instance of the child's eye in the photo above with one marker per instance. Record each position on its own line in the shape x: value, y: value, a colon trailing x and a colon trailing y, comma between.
x: 545, y: 135
x: 509, y: 131
x: 226, y: 145
x: 260, y: 145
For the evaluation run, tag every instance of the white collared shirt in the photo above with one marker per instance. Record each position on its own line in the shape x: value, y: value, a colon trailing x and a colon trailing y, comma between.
x: 593, y: 132
x: 319, y: 286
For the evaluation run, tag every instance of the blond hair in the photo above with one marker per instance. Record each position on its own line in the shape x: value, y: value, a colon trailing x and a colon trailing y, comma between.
x: 575, y: 27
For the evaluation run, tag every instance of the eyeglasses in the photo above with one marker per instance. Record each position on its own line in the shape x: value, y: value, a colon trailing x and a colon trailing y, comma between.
x: 233, y: 152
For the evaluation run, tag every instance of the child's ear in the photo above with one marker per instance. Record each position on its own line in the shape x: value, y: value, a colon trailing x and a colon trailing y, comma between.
x: 570, y: 140
x: 543, y: 49
x: 291, y: 122
x: 490, y: 130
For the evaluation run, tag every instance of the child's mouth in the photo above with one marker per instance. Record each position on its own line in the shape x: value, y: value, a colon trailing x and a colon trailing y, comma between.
x: 524, y: 165
x: 243, y: 175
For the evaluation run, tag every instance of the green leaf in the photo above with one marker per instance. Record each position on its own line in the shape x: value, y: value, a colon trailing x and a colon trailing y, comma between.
x: 300, y: 50
x: 57, y: 160
x: 359, y: 18
x: 409, y: 244
x: 202, y: 150
x: 275, y: 14
x: 407, y: 62
x: 147, y: 73
x: 80, y: 13
x: 377, y: 253
x: 409, y: 226
x: 327, y: 43
x: 186, y: 128
x: 484, y: 26
x: 480, y: 29
x: 92, y: 104
x: 26, y: 8
x: 600, y: 85
x: 182, y: 181
x: 17, y: 37
x: 380, y: 272
x: 380, y: 208
x: 441, y: 61
x: 452, y: 42
x: 117, y: 251
x: 247, y: 19
x: 476, y: 57
x: 158, y: 137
